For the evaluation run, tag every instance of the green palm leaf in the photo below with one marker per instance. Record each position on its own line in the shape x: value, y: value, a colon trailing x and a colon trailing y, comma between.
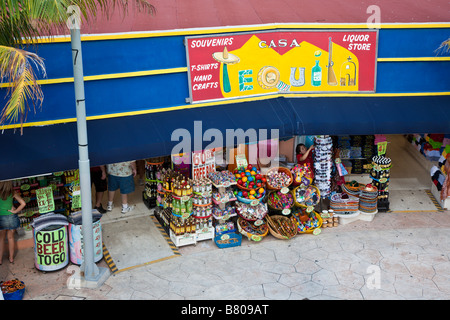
x: 21, y: 23
x: 16, y: 70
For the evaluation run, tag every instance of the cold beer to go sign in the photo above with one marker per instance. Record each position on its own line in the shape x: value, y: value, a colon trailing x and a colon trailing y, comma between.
x: 240, y: 65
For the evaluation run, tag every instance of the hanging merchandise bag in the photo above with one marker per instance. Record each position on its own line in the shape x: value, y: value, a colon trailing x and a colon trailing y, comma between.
x: 341, y: 169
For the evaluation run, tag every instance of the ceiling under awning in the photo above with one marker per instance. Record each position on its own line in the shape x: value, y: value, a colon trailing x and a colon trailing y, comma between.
x: 55, y: 148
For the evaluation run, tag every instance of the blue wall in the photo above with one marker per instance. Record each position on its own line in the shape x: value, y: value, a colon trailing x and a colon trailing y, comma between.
x: 166, y: 52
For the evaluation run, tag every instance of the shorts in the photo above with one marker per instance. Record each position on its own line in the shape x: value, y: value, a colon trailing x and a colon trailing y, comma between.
x: 100, y: 185
x: 9, y: 222
x: 126, y: 184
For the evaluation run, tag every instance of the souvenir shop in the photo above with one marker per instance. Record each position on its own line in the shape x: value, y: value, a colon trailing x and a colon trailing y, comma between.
x: 206, y: 196
x: 226, y: 203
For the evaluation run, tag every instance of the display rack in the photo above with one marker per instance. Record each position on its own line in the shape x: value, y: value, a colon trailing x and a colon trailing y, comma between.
x: 202, y: 203
x: 183, y: 229
x: 356, y: 152
x: 223, y: 212
x: 380, y: 175
x: 150, y: 193
x: 62, y: 192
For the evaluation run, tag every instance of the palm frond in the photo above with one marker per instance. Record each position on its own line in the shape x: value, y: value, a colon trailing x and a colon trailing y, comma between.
x: 22, y: 22
x: 16, y: 69
x: 444, y: 47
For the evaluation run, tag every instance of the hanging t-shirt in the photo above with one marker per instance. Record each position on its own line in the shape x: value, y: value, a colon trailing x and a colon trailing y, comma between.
x: 6, y: 205
x: 120, y: 169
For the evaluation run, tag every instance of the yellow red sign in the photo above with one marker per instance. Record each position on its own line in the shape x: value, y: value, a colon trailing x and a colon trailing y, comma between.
x: 240, y: 65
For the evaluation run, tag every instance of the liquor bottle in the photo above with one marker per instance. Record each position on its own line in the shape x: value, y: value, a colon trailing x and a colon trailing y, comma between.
x: 178, y: 226
x: 188, y: 225
x: 316, y: 75
x: 193, y: 224
x: 189, y: 206
x: 176, y: 207
x: 182, y: 208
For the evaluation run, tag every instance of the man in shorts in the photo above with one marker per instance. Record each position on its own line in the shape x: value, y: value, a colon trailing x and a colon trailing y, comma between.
x: 121, y: 176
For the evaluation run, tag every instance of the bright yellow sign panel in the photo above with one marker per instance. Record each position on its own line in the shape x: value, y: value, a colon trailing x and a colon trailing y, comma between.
x: 242, y: 65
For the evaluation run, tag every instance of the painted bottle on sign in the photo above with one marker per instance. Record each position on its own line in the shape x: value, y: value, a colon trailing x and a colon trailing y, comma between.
x: 316, y: 75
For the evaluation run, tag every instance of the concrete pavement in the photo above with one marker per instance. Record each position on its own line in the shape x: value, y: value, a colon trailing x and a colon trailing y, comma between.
x: 397, y: 256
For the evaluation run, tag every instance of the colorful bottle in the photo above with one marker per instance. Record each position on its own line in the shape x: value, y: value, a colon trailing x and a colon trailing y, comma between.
x: 316, y: 75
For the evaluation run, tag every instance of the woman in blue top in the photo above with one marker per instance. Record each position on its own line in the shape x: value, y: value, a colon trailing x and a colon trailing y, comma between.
x: 9, y: 221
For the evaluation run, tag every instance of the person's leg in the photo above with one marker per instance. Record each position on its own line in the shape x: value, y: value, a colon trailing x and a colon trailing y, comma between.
x: 126, y: 187
x: 124, y: 200
x: 11, y: 244
x: 113, y: 185
x: 2, y: 244
x: 100, y: 188
x: 98, y: 198
x: 111, y: 200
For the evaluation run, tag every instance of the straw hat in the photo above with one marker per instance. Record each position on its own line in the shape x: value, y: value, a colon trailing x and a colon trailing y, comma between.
x: 268, y: 77
x: 225, y: 57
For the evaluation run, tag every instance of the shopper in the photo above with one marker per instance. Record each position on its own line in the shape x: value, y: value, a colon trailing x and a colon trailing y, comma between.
x: 121, y: 176
x: 9, y: 221
x: 98, y: 178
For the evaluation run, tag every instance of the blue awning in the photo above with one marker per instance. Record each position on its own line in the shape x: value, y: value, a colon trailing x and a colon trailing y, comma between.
x: 55, y: 148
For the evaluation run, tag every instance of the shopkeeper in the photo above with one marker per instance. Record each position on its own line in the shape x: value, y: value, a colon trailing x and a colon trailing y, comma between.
x: 304, y: 156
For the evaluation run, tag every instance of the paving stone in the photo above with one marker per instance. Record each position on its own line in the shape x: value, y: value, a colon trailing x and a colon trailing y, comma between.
x: 277, y: 267
x: 294, y: 279
x: 308, y: 289
x: 325, y: 278
x: 307, y: 266
x: 276, y: 291
x: 410, y: 262
x: 349, y: 279
x: 342, y: 292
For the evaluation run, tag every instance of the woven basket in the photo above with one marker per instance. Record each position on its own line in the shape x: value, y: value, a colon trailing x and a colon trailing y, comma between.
x: 258, y: 216
x: 273, y: 208
x: 249, y: 201
x: 264, y: 230
x: 279, y: 169
x: 276, y: 231
x: 319, y: 224
x: 299, y: 204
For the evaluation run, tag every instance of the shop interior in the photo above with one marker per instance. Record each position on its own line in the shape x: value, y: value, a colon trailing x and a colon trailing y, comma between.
x: 151, y: 233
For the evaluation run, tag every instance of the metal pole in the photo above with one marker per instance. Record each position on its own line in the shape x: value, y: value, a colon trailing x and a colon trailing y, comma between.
x: 90, y: 269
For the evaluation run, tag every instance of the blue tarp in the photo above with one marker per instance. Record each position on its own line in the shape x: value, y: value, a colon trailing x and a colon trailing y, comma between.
x: 55, y: 148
